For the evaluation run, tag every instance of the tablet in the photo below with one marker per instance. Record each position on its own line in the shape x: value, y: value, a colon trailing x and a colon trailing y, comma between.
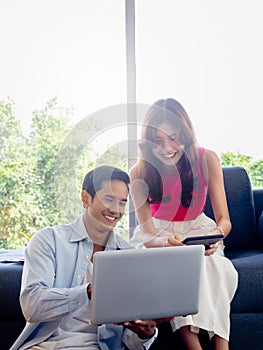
x: 206, y: 240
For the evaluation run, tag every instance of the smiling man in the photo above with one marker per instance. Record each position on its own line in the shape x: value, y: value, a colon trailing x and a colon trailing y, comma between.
x: 56, y: 285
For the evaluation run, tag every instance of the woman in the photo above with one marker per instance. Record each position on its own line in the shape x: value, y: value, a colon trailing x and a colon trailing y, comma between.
x: 169, y: 185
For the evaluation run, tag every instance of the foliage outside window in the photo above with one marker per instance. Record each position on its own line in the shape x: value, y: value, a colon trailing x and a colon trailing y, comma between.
x: 30, y: 197
x: 254, y: 168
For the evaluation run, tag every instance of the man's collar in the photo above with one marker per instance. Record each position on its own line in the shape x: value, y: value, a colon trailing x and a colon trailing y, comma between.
x: 80, y: 233
x: 112, y: 241
x: 78, y: 230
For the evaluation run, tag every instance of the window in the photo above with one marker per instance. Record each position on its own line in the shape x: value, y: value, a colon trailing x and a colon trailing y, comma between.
x: 74, y: 51
x: 207, y: 55
x: 63, y: 54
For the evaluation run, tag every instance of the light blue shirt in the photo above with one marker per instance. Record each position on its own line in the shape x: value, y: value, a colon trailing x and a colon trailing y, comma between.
x: 56, y: 261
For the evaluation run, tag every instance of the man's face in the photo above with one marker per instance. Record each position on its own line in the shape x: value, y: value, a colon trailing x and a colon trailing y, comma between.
x: 108, y: 205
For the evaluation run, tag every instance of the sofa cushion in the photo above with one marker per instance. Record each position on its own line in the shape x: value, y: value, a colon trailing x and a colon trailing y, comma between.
x: 248, y: 297
x: 246, y: 331
x: 234, y: 254
x: 241, y: 209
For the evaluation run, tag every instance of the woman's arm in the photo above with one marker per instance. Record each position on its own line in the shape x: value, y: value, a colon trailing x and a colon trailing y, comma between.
x: 139, y: 193
x: 216, y: 191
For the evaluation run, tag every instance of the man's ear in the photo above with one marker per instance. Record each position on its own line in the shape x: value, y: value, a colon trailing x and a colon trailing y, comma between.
x: 86, y: 198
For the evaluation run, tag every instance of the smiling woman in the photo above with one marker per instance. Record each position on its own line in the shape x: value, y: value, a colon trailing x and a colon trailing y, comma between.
x: 178, y: 180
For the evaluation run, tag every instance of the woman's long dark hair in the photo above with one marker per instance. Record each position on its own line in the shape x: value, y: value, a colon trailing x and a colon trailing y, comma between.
x: 170, y: 112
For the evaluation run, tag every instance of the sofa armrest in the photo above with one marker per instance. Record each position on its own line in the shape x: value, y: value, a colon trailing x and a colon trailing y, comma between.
x: 258, y: 200
x: 10, y: 281
x: 11, y: 318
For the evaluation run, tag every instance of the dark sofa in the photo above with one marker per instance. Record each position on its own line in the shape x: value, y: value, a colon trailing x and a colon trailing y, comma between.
x: 244, y: 246
x: 11, y: 317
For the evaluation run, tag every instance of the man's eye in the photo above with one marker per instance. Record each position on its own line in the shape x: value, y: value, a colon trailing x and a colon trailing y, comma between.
x: 108, y: 200
x: 122, y: 204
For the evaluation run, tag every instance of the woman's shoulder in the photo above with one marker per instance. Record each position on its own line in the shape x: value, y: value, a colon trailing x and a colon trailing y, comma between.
x: 202, y: 151
x: 212, y: 160
x: 210, y: 155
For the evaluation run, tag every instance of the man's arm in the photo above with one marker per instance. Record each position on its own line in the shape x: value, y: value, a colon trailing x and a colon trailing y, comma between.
x: 46, y: 292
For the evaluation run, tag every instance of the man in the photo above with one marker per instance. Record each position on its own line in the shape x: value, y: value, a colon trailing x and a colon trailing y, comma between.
x: 56, y: 284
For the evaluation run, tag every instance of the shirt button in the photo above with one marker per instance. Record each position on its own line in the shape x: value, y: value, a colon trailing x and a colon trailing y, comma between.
x: 86, y: 256
x: 79, y: 276
x: 79, y: 303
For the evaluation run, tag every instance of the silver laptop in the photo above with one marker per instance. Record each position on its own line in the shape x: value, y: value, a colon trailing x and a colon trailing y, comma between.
x: 146, y: 283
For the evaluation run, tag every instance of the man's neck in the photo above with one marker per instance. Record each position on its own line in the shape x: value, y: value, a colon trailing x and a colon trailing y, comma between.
x: 98, y: 234
x: 97, y: 248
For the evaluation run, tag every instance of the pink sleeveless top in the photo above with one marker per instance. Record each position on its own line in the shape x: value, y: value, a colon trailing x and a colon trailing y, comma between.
x: 171, y: 209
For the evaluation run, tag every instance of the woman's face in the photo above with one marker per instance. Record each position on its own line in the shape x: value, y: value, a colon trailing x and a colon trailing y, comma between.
x: 166, y: 146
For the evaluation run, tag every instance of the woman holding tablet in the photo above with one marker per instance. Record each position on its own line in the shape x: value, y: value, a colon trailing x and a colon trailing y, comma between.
x: 169, y: 185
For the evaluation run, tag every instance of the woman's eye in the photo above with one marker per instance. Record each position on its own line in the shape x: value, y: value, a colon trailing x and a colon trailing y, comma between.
x: 158, y: 141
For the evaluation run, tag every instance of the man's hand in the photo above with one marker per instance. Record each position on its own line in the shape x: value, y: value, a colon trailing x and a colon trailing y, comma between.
x: 89, y: 291
x: 144, y: 329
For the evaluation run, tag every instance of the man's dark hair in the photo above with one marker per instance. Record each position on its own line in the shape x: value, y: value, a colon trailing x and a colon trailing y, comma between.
x: 93, y: 179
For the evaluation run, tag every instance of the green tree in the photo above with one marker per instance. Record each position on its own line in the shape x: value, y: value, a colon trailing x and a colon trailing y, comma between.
x: 15, y: 177
x: 256, y: 172
x: 26, y: 171
x: 253, y: 168
x: 41, y: 175
x: 50, y: 126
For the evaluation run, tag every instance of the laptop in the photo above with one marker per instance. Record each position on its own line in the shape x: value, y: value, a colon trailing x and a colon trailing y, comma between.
x: 146, y: 283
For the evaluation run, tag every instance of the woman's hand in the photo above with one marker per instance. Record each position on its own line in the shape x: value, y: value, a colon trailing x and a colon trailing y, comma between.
x: 174, y: 240
x: 212, y: 249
